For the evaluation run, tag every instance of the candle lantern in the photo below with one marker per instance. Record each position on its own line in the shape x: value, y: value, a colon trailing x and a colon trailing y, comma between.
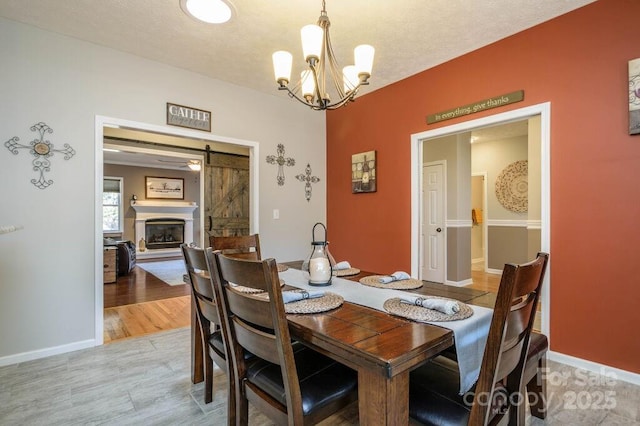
x: 319, y: 265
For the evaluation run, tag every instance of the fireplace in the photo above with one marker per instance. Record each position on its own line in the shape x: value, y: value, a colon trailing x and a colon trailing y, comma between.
x: 164, y: 233
x: 164, y: 225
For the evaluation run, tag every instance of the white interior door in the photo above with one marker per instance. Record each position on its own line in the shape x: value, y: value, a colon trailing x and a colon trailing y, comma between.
x: 433, y: 230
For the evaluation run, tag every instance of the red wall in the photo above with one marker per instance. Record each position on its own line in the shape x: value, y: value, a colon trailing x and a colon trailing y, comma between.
x: 578, y: 63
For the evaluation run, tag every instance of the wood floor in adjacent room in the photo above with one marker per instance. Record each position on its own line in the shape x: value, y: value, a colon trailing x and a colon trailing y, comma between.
x: 139, y: 303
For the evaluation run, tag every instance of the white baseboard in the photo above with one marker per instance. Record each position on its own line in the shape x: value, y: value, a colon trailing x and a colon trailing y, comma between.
x: 460, y: 283
x: 46, y: 352
x: 494, y: 271
x: 596, y: 368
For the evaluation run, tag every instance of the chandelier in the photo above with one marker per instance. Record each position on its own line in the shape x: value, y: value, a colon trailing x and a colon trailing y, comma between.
x: 312, y: 89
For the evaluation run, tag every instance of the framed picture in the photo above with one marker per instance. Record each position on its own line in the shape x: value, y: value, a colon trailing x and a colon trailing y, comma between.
x: 363, y: 172
x: 634, y: 97
x: 164, y: 187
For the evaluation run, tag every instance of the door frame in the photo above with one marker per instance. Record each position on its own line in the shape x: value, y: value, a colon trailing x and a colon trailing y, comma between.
x: 417, y: 151
x: 100, y: 123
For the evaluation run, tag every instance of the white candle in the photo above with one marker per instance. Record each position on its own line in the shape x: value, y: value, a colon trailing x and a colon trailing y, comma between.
x: 319, y: 270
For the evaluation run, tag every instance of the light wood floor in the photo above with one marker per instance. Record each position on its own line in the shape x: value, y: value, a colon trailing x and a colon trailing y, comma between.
x: 139, y: 303
x: 143, y: 318
x: 484, y: 281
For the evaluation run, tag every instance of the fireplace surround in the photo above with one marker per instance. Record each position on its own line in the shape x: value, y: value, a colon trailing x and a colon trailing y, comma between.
x: 171, y: 224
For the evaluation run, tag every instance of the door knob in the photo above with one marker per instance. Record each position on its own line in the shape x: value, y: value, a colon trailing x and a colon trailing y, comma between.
x: 439, y: 230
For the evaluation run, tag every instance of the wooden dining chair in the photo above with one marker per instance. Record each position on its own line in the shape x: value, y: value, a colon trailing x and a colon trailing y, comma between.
x: 498, y: 396
x: 240, y: 246
x: 290, y: 383
x: 207, y: 314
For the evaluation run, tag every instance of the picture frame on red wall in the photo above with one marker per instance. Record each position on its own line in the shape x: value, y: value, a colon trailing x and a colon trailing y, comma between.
x: 634, y: 96
x: 363, y: 172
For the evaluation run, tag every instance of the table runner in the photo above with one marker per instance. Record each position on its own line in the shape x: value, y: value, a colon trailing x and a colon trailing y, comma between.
x: 470, y: 334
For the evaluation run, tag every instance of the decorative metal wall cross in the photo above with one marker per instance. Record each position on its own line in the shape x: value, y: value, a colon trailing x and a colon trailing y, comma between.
x: 308, y: 180
x: 41, y: 149
x: 281, y: 161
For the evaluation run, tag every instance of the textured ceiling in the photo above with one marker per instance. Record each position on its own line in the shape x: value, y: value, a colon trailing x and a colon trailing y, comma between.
x: 409, y: 35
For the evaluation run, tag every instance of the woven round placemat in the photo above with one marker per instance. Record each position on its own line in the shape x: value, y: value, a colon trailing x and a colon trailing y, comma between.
x: 282, y: 267
x: 418, y: 313
x: 251, y: 290
x: 346, y: 272
x: 312, y: 306
x: 373, y: 281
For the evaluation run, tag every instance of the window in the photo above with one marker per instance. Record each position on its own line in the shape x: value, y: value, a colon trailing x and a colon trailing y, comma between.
x: 112, y: 211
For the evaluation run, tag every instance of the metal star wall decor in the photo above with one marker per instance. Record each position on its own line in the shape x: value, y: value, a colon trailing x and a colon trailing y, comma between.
x: 308, y: 180
x: 41, y: 149
x: 281, y: 161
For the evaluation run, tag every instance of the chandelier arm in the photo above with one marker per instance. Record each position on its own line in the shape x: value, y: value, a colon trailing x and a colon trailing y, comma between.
x: 324, y: 105
x: 316, y: 81
x: 334, y: 68
x: 299, y: 99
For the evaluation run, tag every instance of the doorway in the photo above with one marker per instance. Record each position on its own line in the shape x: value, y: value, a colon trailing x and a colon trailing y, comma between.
x: 191, y: 139
x: 478, y: 224
x: 417, y: 158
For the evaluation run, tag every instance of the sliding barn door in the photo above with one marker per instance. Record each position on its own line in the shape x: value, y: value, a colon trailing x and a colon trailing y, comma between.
x: 227, y: 195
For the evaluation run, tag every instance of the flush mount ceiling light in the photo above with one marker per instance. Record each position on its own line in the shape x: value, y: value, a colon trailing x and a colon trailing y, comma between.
x: 194, y: 165
x: 312, y: 88
x: 209, y: 11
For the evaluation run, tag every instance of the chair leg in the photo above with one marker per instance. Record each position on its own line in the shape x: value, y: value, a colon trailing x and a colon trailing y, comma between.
x: 242, y: 405
x: 208, y: 379
x: 231, y: 398
x: 518, y: 413
x: 537, y: 391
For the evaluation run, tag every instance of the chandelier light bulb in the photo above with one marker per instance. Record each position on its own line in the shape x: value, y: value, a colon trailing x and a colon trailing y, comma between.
x: 282, y: 61
x: 312, y: 36
x: 363, y: 56
x: 349, y: 78
x: 308, y: 84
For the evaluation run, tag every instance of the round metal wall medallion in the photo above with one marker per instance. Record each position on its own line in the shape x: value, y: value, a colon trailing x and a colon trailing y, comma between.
x: 41, y: 148
x: 512, y: 187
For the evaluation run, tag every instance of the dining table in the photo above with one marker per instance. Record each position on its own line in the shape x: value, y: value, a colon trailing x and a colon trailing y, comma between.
x: 381, y: 347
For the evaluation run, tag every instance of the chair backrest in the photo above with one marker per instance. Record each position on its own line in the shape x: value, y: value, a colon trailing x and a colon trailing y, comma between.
x: 239, y: 246
x: 508, y: 341
x: 201, y: 286
x: 257, y: 324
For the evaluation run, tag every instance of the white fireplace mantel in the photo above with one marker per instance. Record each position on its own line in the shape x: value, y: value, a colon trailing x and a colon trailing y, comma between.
x: 163, y: 207
x: 156, y: 209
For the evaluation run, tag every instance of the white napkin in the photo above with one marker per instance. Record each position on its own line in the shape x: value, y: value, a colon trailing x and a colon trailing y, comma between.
x: 396, y: 276
x: 445, y: 306
x: 294, y: 296
x: 342, y: 265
